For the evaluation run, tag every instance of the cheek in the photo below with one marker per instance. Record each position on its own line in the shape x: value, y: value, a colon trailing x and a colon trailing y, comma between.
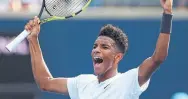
x: 91, y: 52
x: 109, y: 60
x: 110, y: 56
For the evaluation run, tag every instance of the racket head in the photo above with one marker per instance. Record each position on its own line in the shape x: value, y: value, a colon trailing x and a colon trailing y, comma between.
x: 42, y: 9
x: 62, y: 9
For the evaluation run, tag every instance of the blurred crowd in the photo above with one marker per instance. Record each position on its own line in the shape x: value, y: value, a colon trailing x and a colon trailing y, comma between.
x: 19, y: 5
x: 182, y: 4
x: 25, y: 5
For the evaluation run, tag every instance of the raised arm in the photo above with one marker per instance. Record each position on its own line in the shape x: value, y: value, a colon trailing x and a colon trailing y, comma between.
x: 149, y: 65
x: 42, y: 75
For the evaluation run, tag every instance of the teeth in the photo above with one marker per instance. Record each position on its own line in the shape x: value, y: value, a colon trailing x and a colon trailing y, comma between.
x: 96, y: 57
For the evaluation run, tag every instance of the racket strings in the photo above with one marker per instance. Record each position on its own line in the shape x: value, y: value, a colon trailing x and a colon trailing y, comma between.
x: 78, y: 6
x: 64, y: 7
x: 69, y: 9
x: 60, y: 7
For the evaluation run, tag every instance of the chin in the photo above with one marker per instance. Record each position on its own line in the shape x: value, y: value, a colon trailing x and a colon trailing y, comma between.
x: 97, y: 73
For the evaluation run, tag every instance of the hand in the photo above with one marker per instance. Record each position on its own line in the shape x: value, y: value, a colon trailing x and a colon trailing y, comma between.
x: 167, y: 6
x: 33, y: 27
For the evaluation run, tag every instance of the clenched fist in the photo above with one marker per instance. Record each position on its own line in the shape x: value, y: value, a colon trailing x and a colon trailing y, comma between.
x: 167, y: 6
x: 33, y: 27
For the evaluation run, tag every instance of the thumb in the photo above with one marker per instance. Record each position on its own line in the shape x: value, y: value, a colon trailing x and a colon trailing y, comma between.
x: 36, y: 20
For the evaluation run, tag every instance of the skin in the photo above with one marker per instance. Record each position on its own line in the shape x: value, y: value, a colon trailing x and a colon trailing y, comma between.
x: 111, y: 56
x: 105, y: 48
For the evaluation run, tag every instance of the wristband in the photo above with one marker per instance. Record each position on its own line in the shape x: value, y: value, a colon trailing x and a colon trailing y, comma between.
x: 166, y: 23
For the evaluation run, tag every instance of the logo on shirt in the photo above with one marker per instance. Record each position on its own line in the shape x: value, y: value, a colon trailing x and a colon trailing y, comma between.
x: 106, y: 86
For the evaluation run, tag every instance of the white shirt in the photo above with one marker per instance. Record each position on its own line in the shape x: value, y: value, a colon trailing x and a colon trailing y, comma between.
x: 121, y: 86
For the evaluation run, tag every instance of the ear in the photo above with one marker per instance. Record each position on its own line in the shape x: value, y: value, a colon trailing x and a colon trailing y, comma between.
x: 118, y: 57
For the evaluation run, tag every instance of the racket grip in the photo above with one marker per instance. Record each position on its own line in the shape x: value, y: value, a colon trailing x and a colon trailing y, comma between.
x: 13, y: 44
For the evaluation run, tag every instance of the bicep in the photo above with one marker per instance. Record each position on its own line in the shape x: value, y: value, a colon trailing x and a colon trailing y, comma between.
x: 58, y: 85
x: 146, y: 70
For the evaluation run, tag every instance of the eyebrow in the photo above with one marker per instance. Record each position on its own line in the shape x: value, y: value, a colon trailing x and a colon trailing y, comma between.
x: 105, y: 44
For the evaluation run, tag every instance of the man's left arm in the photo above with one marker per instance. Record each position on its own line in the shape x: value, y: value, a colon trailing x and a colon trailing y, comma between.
x: 149, y: 65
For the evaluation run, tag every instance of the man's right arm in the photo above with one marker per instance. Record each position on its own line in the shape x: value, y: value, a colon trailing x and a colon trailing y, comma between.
x: 41, y: 73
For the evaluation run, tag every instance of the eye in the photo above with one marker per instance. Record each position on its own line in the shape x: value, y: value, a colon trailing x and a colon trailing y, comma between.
x: 94, y: 46
x: 105, y: 46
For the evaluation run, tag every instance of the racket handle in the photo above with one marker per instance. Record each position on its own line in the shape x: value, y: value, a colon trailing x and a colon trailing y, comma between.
x: 13, y: 44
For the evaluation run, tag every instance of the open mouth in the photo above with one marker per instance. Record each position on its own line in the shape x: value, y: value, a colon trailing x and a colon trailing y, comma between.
x: 98, y: 60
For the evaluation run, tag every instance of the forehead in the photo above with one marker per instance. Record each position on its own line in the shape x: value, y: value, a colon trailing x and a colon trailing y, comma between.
x: 105, y: 40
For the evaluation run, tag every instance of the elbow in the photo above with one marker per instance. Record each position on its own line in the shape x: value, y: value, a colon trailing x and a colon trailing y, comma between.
x: 158, y: 59
x: 44, y: 85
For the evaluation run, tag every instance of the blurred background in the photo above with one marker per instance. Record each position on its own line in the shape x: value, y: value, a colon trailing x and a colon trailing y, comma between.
x: 66, y: 45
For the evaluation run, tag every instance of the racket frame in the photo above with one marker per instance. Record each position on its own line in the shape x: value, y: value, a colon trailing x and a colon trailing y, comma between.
x: 52, y: 18
x: 23, y: 35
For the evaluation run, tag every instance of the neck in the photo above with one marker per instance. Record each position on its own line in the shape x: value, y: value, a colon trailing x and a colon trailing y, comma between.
x: 108, y: 74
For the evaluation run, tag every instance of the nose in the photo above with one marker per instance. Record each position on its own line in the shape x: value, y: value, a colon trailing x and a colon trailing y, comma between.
x: 96, y: 50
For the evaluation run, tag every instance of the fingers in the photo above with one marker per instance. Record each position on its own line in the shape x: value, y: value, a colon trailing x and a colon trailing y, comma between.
x: 32, y: 24
x: 29, y: 25
x: 167, y: 2
x: 37, y: 20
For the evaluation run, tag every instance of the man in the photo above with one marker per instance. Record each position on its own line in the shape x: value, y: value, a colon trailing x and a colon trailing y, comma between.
x: 108, y: 50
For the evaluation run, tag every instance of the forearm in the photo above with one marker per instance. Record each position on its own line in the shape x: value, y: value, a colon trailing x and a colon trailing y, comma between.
x: 162, y: 45
x: 149, y: 65
x: 39, y: 68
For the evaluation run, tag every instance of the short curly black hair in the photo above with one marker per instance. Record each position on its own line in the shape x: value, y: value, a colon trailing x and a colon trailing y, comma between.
x: 117, y: 35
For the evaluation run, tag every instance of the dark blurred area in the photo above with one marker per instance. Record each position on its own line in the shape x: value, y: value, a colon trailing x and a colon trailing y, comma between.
x: 15, y: 71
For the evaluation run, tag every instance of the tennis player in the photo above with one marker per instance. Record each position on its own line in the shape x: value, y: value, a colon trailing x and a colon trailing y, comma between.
x: 109, y: 49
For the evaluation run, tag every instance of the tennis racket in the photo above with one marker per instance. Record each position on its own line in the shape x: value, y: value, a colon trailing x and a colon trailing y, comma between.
x: 57, y: 10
